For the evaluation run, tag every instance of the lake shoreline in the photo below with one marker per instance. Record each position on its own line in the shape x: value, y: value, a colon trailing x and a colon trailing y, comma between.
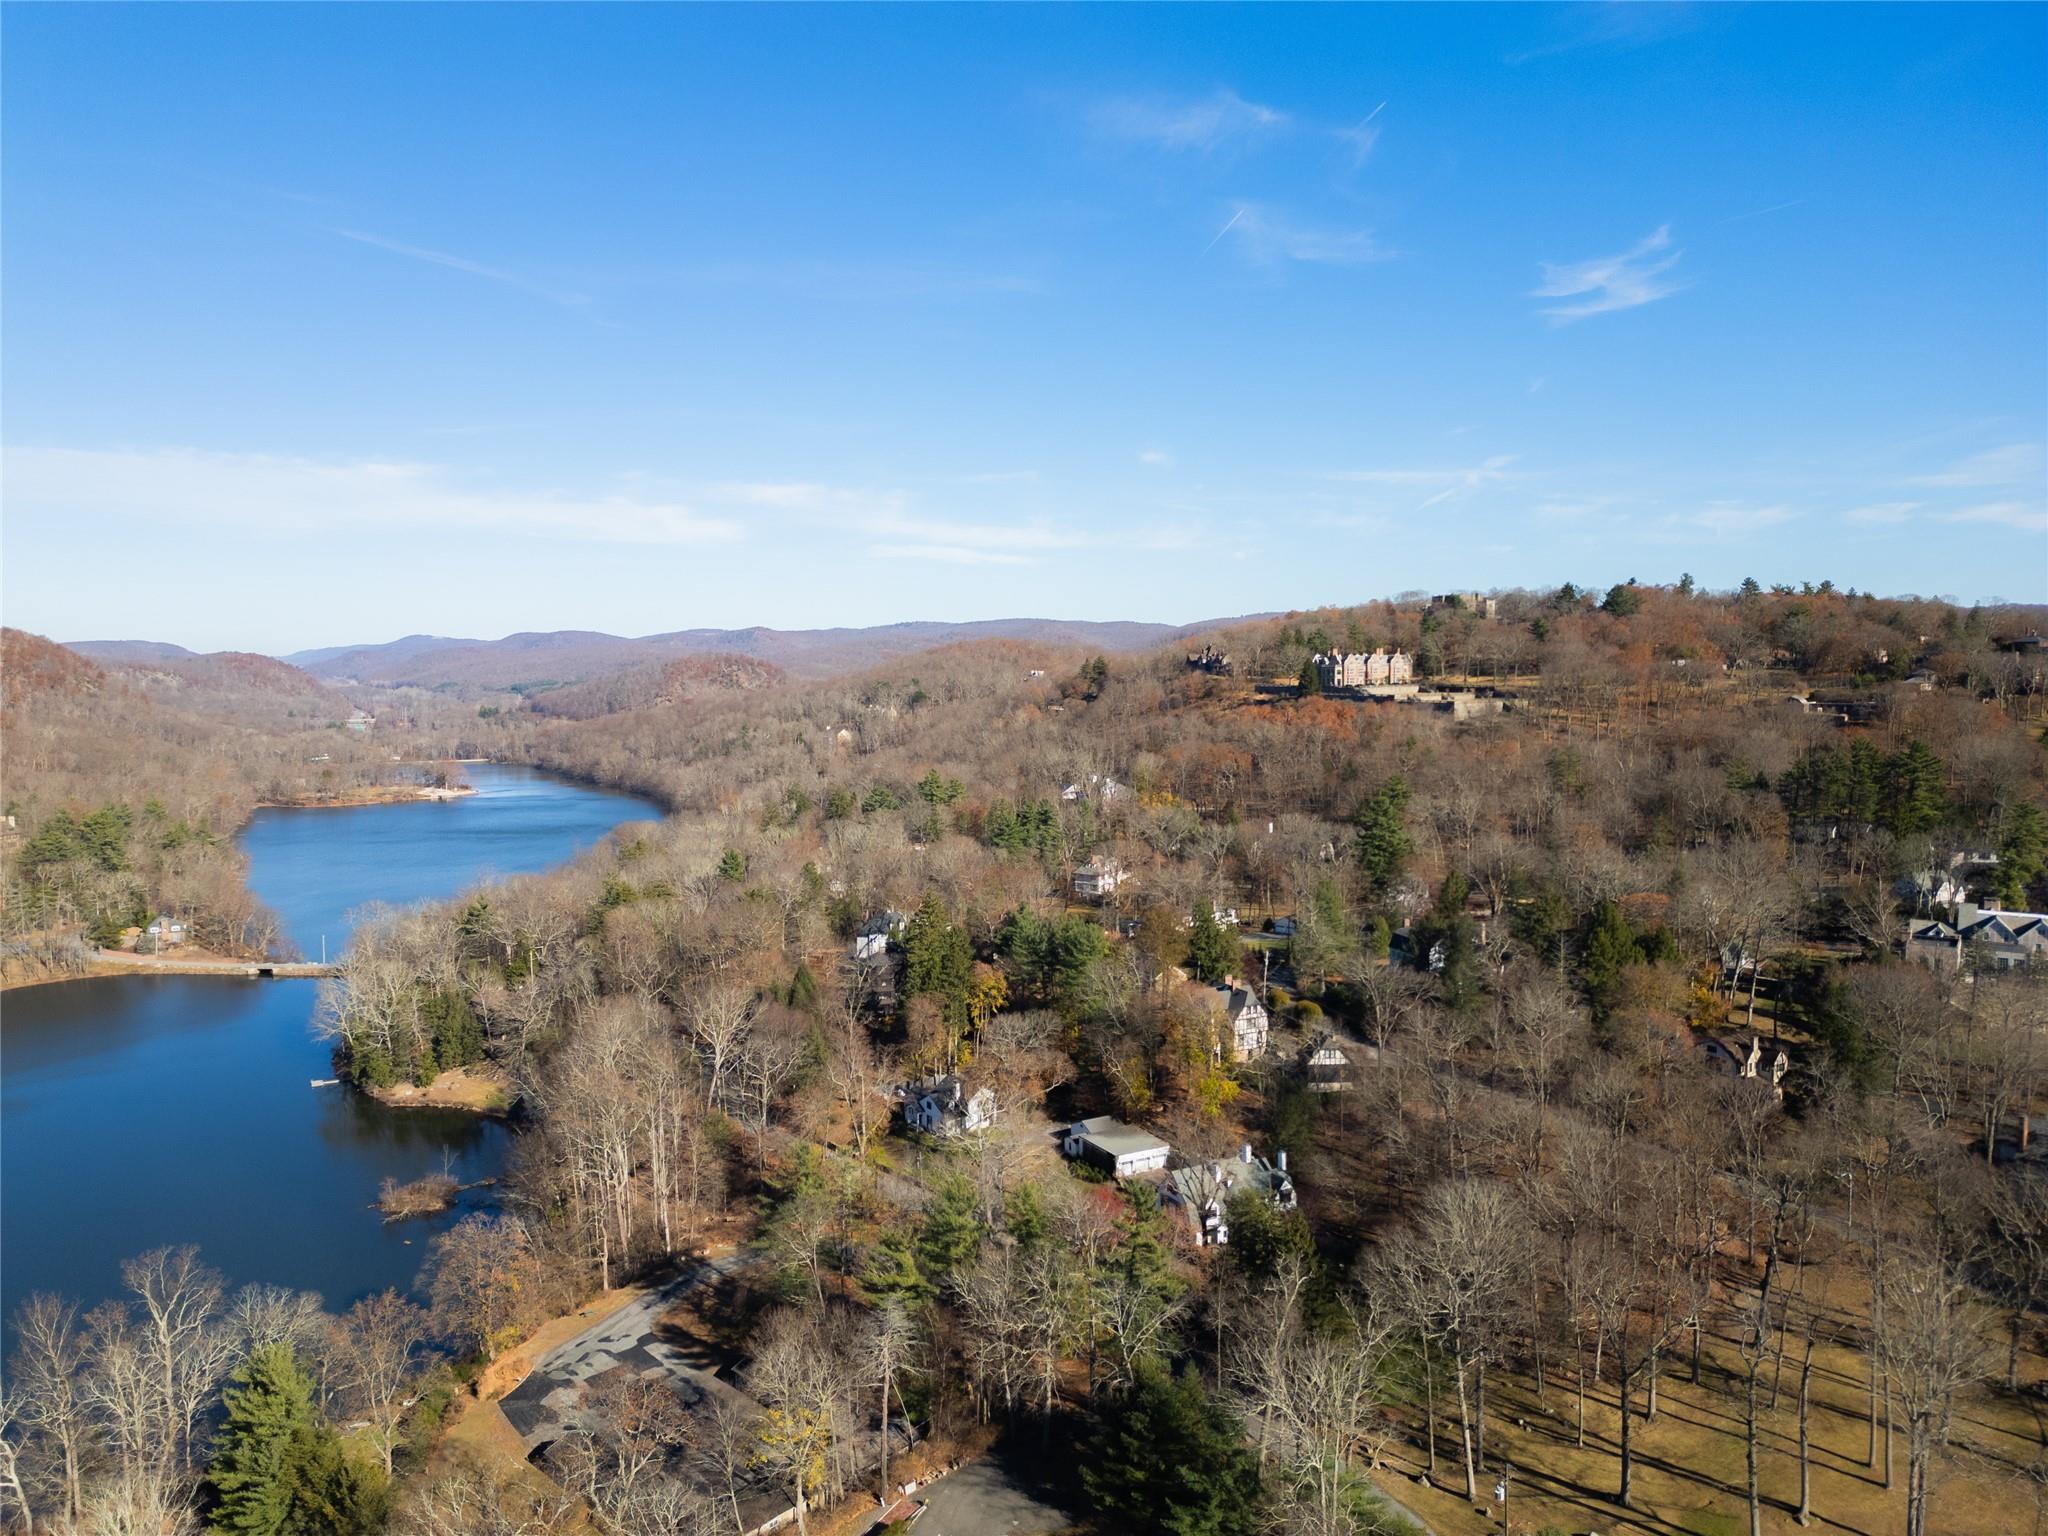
x: 215, y: 1075
x: 472, y: 1090
x: 370, y: 794
x: 105, y: 962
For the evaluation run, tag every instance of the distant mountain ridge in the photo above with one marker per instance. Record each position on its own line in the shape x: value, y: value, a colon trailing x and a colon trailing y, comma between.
x: 130, y: 650
x: 537, y: 659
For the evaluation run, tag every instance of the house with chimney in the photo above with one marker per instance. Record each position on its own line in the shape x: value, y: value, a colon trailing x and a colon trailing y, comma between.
x: 1199, y: 1195
x: 1734, y: 1058
x: 2003, y: 939
x: 1099, y: 879
x: 942, y: 1106
x: 1356, y: 669
x: 1246, y: 1024
x: 876, y: 935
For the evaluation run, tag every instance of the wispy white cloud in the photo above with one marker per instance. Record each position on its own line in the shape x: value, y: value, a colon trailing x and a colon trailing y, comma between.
x: 1758, y: 213
x: 463, y: 264
x: 1606, y: 26
x: 1603, y: 284
x: 2028, y: 517
x: 1373, y: 522
x: 807, y: 497
x: 1730, y: 518
x: 2014, y: 464
x: 1268, y: 236
x: 878, y: 281
x: 1573, y: 509
x: 1883, y: 512
x: 270, y: 493
x: 999, y: 477
x: 951, y: 554
x: 1201, y: 124
x: 1362, y: 137
x: 1155, y: 458
x: 1459, y: 478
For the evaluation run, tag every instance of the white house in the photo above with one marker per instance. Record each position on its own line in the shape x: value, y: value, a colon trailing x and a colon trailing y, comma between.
x: 942, y: 1106
x: 1098, y: 784
x: 1201, y: 1194
x: 1729, y: 1059
x: 1114, y: 1147
x: 875, y: 934
x: 1249, y: 1023
x: 1099, y: 879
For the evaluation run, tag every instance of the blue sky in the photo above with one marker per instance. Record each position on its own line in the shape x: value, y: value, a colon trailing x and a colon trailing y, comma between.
x: 327, y: 324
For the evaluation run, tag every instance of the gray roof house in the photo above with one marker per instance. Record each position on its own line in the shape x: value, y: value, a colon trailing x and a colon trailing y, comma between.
x: 873, y: 939
x: 1201, y: 1193
x: 1107, y: 1143
x: 1099, y: 878
x: 1247, y: 1017
x: 2007, y: 939
x: 942, y: 1106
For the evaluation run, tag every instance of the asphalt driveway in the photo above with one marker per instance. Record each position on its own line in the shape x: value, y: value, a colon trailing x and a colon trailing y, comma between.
x: 985, y: 1498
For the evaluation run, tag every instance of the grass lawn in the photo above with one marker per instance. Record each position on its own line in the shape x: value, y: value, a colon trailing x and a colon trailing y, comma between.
x: 1689, y: 1473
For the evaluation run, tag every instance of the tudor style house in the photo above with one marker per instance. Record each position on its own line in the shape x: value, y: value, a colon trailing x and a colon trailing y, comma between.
x: 1200, y: 1194
x: 1332, y: 1064
x: 1246, y: 1016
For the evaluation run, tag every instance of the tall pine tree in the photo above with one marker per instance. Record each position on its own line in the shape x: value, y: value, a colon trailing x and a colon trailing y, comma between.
x: 1381, y: 831
x: 277, y: 1469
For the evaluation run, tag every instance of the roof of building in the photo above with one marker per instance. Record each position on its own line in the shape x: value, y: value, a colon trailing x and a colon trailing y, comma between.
x: 1353, y: 1051
x: 1237, y: 998
x: 1114, y: 1137
x: 1200, y: 1183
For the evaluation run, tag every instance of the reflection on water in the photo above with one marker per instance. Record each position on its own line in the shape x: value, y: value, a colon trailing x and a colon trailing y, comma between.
x: 163, y: 1109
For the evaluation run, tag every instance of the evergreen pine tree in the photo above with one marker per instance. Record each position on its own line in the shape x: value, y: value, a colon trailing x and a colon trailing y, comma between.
x: 255, y: 1467
x: 277, y: 1469
x: 1609, y: 950
x: 1212, y: 948
x: 1163, y: 1459
x: 937, y: 955
x: 951, y: 1233
x: 893, y: 1272
x: 1382, y: 834
x: 1915, y: 790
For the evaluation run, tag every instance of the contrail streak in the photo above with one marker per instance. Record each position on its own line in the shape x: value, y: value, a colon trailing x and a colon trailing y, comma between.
x: 1223, y: 231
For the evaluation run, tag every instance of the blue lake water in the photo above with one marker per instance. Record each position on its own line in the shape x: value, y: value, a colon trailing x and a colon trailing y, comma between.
x: 141, y: 1110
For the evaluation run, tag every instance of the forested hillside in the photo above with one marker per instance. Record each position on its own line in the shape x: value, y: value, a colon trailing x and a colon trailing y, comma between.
x: 1524, y: 975
x: 125, y: 781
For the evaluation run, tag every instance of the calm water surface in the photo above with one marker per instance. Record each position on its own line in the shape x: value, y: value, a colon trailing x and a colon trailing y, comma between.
x: 165, y: 1109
